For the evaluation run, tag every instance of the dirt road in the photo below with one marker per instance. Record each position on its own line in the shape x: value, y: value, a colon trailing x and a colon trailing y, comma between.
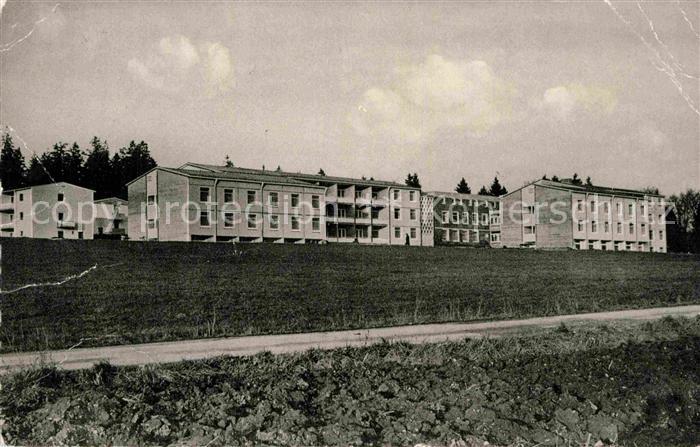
x: 238, y: 346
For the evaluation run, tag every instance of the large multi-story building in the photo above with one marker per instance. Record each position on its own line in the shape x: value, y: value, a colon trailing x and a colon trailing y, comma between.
x: 465, y: 219
x: 332, y: 209
x: 547, y: 214
x: 196, y: 204
x: 111, y: 218
x: 57, y: 210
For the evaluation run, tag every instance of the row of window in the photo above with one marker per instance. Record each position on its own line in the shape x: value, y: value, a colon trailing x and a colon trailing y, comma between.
x: 361, y: 232
x: 618, y: 207
x: 617, y: 246
x: 472, y: 202
x: 606, y: 228
x: 465, y: 218
x: 252, y: 197
x: 451, y: 235
x: 412, y: 195
x: 59, y: 197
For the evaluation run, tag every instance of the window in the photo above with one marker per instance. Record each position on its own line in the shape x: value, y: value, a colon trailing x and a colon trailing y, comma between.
x: 252, y: 220
x: 455, y: 217
x: 630, y: 208
x: 594, y: 226
x: 252, y: 197
x: 60, y: 234
x: 315, y: 202
x: 80, y: 234
x: 484, y: 219
x: 151, y: 200
x: 593, y: 206
x: 21, y: 197
x: 618, y: 208
x: 204, y: 219
x: 116, y: 224
x: 60, y: 197
x: 274, y: 222
x: 228, y: 220
x: 660, y: 218
x: 151, y: 223
x: 529, y: 230
x: 643, y: 228
x: 60, y: 217
x: 100, y: 230
x: 375, y: 233
x: 464, y: 235
x: 295, y: 223
x: 606, y: 207
x: 465, y: 218
x: 529, y: 209
x: 414, y: 215
x: 495, y: 237
x: 316, y: 224
x: 341, y: 193
x: 397, y: 232
x: 228, y: 195
x: 631, y: 228
x: 361, y: 232
x: 651, y: 235
x: 650, y: 217
x: 412, y: 196
x: 273, y: 199
x: 445, y: 217
x: 580, y: 225
x: 591, y: 245
x: 661, y: 234
x: 21, y: 216
x: 579, y: 205
x: 619, y: 228
x: 603, y: 246
x: 577, y: 245
x: 295, y: 200
x: 643, y: 209
x: 397, y: 194
x: 203, y: 194
x: 607, y: 227
x: 342, y: 232
x: 413, y: 233
x: 397, y: 213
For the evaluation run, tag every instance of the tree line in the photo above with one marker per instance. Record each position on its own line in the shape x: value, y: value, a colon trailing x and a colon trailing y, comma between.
x: 95, y: 168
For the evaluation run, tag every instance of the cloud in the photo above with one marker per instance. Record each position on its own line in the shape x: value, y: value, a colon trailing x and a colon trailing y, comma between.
x: 438, y: 93
x: 176, y: 63
x: 565, y: 100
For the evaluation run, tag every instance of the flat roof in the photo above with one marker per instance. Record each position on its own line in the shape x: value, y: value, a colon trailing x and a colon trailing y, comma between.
x: 240, y: 176
x: 606, y: 190
x: 300, y: 175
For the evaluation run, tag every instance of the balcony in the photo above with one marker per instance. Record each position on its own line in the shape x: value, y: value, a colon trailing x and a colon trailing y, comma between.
x: 66, y: 225
x: 9, y: 226
x: 379, y: 203
x: 7, y: 207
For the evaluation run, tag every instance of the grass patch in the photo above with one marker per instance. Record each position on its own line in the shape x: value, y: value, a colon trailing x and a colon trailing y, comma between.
x: 167, y: 291
x: 636, y: 384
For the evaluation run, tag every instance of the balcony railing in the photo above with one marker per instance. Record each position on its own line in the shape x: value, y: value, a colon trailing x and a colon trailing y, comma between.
x: 7, y: 207
x: 9, y: 226
x: 66, y: 224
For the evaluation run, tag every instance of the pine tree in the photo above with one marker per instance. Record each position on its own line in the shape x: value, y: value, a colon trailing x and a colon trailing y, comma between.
x: 412, y: 180
x: 575, y: 180
x: 496, y: 188
x: 37, y: 173
x: 483, y: 191
x: 321, y: 172
x: 555, y: 179
x: 463, y: 187
x: 12, y: 168
x: 544, y: 177
x: 588, y: 181
x: 228, y: 162
x: 97, y: 171
x: 132, y: 162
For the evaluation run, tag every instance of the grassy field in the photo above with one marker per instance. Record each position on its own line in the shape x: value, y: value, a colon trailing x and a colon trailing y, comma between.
x: 632, y: 384
x: 142, y: 292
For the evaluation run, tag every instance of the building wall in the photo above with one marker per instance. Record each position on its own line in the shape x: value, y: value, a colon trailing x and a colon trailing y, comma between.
x: 511, y: 226
x: 553, y: 228
x: 136, y: 229
x: 77, y: 209
x: 405, y: 225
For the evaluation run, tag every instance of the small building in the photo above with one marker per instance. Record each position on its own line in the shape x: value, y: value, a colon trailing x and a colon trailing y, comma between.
x: 547, y: 214
x: 52, y: 211
x: 465, y: 219
x: 111, y: 218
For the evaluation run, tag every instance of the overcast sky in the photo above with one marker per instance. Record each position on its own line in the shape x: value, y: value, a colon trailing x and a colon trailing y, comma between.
x: 448, y: 90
